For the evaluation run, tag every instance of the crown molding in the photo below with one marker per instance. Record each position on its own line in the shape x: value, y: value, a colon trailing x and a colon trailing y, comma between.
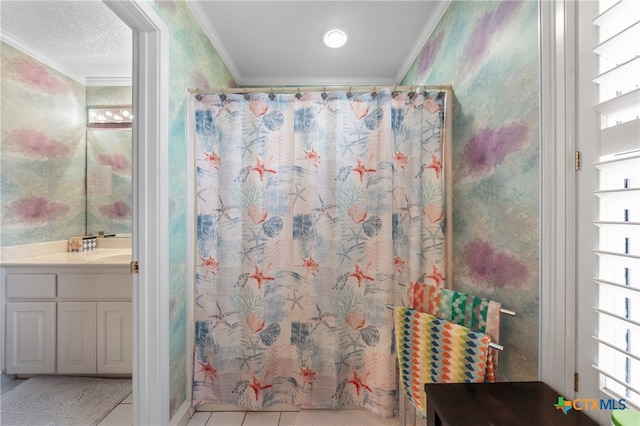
x: 435, y: 17
x: 214, y: 38
x: 39, y: 56
x: 109, y: 81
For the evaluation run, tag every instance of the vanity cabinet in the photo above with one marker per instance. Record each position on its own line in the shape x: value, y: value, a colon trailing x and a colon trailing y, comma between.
x: 115, y: 337
x: 68, y: 320
x: 76, y: 338
x: 31, y: 337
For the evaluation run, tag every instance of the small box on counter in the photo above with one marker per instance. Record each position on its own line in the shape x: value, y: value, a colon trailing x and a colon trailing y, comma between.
x: 89, y: 243
x: 79, y: 244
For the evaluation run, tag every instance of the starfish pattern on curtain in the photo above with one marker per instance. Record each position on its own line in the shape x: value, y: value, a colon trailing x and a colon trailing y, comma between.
x: 311, y: 210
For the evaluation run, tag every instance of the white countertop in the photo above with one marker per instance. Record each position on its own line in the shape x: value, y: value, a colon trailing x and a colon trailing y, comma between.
x: 99, y: 256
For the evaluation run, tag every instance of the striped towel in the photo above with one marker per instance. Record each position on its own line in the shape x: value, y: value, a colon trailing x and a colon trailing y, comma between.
x: 474, y: 312
x: 433, y: 350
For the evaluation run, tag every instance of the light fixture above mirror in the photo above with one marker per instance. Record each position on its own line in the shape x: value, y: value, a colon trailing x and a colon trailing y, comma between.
x: 110, y: 116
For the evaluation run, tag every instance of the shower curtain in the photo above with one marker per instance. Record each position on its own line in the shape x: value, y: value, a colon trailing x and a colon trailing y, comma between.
x: 312, y: 210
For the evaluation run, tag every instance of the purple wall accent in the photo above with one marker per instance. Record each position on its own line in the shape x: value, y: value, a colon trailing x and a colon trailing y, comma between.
x: 35, y: 75
x: 489, y: 147
x: 33, y: 210
x: 118, y: 162
x: 429, y: 53
x: 118, y: 210
x: 492, y: 267
x: 488, y: 27
x: 36, y: 144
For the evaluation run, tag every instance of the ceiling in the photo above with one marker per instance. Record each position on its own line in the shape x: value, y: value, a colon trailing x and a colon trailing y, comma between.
x: 263, y: 43
x: 83, y: 39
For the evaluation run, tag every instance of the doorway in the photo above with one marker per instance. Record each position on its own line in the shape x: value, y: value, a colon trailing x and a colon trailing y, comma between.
x: 150, y: 211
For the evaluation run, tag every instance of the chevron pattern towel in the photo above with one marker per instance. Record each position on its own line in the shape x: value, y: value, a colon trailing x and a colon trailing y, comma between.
x: 473, y: 312
x: 433, y: 350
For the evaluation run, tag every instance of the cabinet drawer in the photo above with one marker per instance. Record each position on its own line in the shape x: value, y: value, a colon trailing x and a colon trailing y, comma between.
x: 95, y: 286
x: 31, y: 286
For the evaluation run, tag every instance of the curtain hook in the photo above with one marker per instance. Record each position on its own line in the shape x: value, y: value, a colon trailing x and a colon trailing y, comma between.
x: 374, y: 94
x: 271, y: 95
x: 349, y: 94
x: 324, y: 93
x: 298, y: 94
x: 395, y: 92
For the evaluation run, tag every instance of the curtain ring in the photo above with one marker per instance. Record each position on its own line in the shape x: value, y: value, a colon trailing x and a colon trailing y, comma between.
x: 298, y: 94
x: 324, y: 93
x: 374, y: 94
x: 349, y: 94
x: 223, y: 97
x: 394, y: 94
x: 199, y: 96
x: 272, y: 96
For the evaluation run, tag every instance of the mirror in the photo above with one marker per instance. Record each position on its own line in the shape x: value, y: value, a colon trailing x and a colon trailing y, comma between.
x: 108, y: 162
x: 61, y: 176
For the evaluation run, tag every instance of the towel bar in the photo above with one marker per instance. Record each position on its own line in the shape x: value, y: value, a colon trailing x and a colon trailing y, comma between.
x: 491, y: 344
x: 502, y: 310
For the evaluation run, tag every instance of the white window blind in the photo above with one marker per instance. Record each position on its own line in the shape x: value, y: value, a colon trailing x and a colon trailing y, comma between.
x: 618, y: 251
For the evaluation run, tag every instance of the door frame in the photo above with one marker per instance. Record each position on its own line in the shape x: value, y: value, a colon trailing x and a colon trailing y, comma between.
x: 557, y: 329
x: 567, y: 291
x: 150, y: 210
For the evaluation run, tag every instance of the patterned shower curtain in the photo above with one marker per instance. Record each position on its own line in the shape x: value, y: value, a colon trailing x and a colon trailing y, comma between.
x: 312, y: 210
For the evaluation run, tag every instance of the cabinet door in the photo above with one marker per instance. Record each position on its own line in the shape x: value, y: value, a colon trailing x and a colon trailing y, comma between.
x: 76, y: 337
x: 31, y: 333
x: 115, y: 338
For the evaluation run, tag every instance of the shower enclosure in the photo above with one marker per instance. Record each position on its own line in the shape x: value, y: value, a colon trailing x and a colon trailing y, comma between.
x: 313, y: 210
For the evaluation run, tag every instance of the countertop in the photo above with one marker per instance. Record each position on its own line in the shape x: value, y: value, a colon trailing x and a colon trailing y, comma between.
x: 101, y: 256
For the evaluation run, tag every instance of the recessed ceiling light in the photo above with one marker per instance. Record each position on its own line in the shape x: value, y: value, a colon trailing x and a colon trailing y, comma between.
x: 334, y: 38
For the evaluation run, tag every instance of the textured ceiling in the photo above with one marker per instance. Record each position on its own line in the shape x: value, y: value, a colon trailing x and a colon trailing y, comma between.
x: 263, y: 43
x: 82, y: 39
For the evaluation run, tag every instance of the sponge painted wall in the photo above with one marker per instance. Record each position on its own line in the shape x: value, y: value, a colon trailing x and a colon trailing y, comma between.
x: 193, y: 62
x: 488, y: 52
x: 42, y: 152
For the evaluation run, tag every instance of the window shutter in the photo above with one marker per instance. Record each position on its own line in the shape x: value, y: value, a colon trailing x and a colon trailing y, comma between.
x: 618, y: 250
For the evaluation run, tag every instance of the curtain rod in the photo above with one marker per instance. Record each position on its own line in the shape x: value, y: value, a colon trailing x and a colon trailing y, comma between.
x: 290, y: 89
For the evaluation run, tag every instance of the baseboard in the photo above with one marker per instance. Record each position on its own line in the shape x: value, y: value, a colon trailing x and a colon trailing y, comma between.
x: 182, y: 416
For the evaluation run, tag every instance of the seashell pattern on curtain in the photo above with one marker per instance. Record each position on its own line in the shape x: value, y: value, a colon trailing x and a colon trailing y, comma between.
x: 311, y: 210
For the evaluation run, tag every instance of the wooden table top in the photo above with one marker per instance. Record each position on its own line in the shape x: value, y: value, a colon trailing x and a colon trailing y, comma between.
x: 504, y: 403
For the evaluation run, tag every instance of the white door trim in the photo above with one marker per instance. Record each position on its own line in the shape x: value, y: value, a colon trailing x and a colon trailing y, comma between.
x: 557, y: 198
x: 150, y: 207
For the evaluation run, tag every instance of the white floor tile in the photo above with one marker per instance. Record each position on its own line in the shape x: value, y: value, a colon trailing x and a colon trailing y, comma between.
x: 122, y: 415
x: 261, y: 418
x: 199, y: 418
x: 226, y: 418
x: 288, y: 418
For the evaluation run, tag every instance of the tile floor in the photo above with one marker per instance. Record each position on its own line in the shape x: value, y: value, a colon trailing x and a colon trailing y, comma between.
x: 243, y: 418
x: 122, y: 415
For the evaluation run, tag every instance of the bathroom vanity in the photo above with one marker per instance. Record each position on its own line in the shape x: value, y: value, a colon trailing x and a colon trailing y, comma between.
x: 68, y: 313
